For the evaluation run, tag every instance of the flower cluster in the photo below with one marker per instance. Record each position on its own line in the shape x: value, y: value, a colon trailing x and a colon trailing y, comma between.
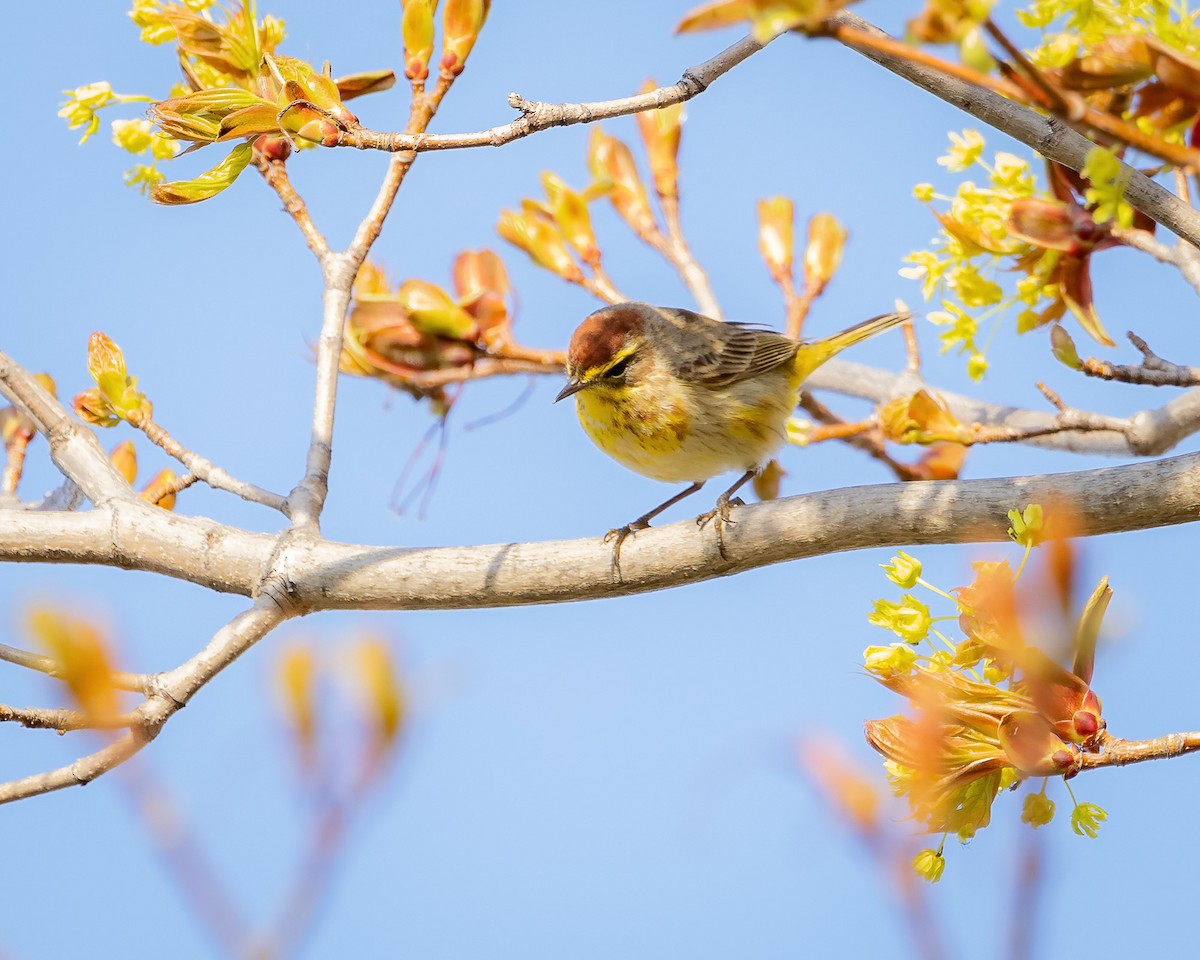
x: 1010, y: 228
x: 394, y: 333
x: 989, y: 710
x: 1133, y: 57
x: 238, y: 88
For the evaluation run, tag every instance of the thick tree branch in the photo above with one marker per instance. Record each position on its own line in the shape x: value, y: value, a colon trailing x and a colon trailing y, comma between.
x: 310, y: 575
x: 1049, y: 136
x: 75, y: 450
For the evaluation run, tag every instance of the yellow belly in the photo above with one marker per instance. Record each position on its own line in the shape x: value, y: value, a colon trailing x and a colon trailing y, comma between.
x: 713, y: 432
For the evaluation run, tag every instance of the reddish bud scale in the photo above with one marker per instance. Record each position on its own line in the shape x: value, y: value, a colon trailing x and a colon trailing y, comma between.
x: 1086, y: 724
x: 273, y: 149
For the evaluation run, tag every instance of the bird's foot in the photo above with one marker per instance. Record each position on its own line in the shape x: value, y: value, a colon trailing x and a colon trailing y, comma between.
x: 719, y: 516
x: 619, y: 535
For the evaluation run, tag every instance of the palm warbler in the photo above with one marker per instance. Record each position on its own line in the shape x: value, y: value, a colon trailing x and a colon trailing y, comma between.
x: 680, y: 397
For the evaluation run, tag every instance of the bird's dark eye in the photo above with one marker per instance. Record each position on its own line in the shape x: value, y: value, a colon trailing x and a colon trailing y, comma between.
x: 618, y: 369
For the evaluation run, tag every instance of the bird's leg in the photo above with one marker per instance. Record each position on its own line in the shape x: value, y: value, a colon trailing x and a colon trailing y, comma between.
x: 641, y: 523
x: 720, y: 514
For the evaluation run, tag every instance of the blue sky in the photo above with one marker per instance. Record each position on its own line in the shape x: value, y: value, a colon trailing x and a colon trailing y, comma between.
x: 603, y: 779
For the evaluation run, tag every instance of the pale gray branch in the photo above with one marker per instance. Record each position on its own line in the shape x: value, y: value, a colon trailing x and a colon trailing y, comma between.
x: 171, y: 691
x: 62, y: 720
x: 74, y: 450
x: 78, y: 774
x: 308, y: 574
x: 1178, y: 255
x: 1149, y: 432
x: 135, y: 682
x: 305, y: 502
x: 208, y: 472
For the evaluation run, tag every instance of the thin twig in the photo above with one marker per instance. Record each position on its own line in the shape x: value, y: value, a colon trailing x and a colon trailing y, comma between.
x: 160, y: 490
x: 677, y: 251
x: 858, y: 34
x: 537, y: 116
x: 854, y: 799
x: 1184, y: 258
x: 600, y: 286
x: 1152, y: 371
x: 311, y: 880
x: 307, y: 499
x: 63, y: 720
x: 134, y: 682
x: 480, y: 370
x: 912, y: 349
x: 170, y: 692
x: 1028, y: 896
x: 1057, y: 99
x: 866, y: 36
x: 207, y: 471
x: 276, y: 175
x: 863, y: 436
x: 1119, y: 753
x: 80, y: 773
x: 183, y: 855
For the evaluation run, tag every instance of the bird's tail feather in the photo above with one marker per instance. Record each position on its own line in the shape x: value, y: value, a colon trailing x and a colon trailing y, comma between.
x: 812, y: 355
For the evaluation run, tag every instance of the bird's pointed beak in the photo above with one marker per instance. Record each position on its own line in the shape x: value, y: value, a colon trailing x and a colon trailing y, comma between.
x: 574, y: 385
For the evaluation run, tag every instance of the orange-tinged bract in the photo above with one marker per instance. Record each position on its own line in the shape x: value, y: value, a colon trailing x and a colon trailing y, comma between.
x: 382, y: 692
x: 540, y: 239
x: 569, y: 210
x: 416, y: 27
x: 612, y: 164
x: 661, y: 130
x: 124, y: 458
x: 823, y: 254
x: 767, y: 481
x: 160, y: 490
x: 461, y: 22
x: 296, y: 678
x: 922, y: 418
x: 83, y: 658
x: 775, y: 236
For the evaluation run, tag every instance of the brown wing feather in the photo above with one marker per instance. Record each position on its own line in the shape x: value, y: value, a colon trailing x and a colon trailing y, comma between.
x: 723, y: 353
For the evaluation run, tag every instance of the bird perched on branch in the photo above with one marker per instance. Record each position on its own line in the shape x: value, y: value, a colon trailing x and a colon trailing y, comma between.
x: 680, y: 397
